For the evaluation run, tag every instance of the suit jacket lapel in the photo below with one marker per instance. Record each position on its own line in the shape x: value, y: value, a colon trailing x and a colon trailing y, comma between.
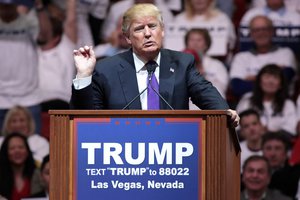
x: 166, y: 78
x: 128, y: 80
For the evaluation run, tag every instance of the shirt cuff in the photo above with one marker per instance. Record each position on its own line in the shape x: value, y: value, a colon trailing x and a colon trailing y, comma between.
x: 80, y: 83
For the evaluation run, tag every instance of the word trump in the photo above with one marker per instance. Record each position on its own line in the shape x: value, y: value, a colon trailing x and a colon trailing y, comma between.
x: 163, y: 155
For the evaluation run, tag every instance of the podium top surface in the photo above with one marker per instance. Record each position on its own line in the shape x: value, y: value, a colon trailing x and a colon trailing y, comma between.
x: 137, y: 112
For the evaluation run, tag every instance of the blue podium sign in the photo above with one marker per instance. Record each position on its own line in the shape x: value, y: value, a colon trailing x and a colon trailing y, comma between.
x: 138, y: 158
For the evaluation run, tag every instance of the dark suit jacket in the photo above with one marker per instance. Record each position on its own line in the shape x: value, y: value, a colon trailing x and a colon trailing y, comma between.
x: 114, y: 84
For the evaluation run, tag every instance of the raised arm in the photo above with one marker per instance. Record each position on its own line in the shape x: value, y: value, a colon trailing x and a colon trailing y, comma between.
x: 70, y: 24
x: 45, y: 27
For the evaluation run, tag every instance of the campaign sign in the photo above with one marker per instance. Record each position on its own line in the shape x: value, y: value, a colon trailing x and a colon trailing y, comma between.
x: 175, y: 33
x: 138, y: 158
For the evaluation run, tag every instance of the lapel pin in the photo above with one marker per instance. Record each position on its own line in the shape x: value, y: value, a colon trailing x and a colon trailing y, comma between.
x: 171, y: 69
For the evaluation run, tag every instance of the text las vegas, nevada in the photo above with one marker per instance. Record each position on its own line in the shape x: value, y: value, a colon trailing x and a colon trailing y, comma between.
x: 156, y: 155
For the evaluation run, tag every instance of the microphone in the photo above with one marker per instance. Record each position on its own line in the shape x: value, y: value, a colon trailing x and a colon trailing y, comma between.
x: 127, y: 105
x: 137, y: 96
x: 151, y: 69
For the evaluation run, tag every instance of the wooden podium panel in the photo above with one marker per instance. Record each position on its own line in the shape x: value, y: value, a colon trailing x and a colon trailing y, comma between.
x: 220, y: 150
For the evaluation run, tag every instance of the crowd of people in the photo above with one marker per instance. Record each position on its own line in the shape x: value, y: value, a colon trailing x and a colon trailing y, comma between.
x: 261, y: 81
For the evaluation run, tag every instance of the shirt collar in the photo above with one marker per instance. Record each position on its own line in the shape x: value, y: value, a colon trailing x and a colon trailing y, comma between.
x: 139, y: 64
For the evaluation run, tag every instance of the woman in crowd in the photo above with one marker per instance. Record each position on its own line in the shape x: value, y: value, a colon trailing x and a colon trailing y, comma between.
x: 270, y: 99
x: 19, y: 119
x: 203, y: 13
x: 17, y: 168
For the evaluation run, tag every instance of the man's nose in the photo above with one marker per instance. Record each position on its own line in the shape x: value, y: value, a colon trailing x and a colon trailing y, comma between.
x: 147, y: 31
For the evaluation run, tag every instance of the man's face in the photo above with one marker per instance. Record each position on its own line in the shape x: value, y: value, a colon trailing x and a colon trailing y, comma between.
x: 274, y: 151
x: 255, y: 176
x: 261, y: 32
x: 251, y: 128
x: 145, y: 36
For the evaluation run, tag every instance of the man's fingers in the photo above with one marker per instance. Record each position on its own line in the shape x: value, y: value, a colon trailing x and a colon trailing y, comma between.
x: 234, y: 117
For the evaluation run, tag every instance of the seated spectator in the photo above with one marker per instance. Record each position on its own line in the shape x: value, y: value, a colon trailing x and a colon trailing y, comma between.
x: 276, y: 11
x: 17, y: 168
x: 45, y: 177
x: 118, y: 8
x: 252, y: 131
x: 19, y: 119
x: 56, y: 61
x: 275, y: 146
x: 205, y: 15
x: 246, y: 65
x: 270, y: 99
x: 199, y: 40
x: 256, y: 177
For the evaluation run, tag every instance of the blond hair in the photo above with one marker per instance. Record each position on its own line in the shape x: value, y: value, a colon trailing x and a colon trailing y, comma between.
x: 212, y: 11
x: 13, y: 111
x: 138, y: 11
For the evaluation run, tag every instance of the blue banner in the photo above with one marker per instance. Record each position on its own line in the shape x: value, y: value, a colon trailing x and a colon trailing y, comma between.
x: 138, y: 158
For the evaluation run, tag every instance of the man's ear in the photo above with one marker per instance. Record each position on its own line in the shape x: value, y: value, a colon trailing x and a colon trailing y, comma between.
x: 127, y: 38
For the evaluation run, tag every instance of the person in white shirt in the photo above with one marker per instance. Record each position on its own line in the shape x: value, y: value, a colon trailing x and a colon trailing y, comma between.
x: 199, y: 40
x: 279, y: 11
x: 270, y: 98
x: 56, y: 60
x: 19, y: 119
x: 206, y: 15
x: 246, y: 65
x: 251, y: 130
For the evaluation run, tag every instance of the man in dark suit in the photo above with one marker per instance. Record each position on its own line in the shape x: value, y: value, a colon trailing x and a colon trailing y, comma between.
x: 117, y: 80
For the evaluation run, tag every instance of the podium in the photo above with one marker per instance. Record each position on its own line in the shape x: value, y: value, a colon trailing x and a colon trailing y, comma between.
x: 217, y: 146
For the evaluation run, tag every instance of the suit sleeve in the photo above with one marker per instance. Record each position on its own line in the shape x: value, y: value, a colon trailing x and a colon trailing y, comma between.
x: 202, y: 92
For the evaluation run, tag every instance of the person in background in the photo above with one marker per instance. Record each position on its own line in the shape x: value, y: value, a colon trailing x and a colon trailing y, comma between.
x: 199, y: 40
x: 127, y: 75
x: 256, y: 177
x: 17, y: 168
x: 19, y: 119
x: 270, y: 99
x: 45, y: 178
x: 55, y: 58
x: 20, y: 33
x: 251, y: 130
x: 246, y: 65
x: 277, y: 11
x: 285, y: 177
x: 204, y: 14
